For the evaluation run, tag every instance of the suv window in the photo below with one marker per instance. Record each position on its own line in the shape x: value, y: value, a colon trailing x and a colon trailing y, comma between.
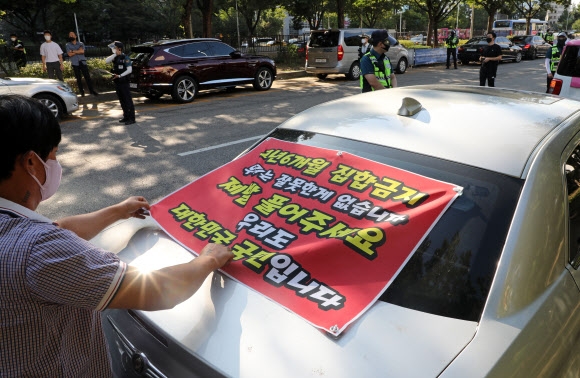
x: 572, y: 169
x: 570, y: 62
x: 352, y: 38
x: 451, y: 272
x: 324, y: 39
x: 220, y: 49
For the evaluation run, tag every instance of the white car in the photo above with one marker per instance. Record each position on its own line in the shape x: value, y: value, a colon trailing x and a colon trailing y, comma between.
x: 56, y: 95
x: 566, y: 81
x: 491, y: 291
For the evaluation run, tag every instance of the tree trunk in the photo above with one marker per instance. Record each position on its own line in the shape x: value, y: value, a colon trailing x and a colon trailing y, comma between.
x: 340, y: 13
x: 206, y: 8
x: 186, y: 19
x: 490, y: 22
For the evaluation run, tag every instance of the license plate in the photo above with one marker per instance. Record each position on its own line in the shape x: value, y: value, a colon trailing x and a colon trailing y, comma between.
x: 471, y: 49
x: 320, y: 60
x: 133, y: 85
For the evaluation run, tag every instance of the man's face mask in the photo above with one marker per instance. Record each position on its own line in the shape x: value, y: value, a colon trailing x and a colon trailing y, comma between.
x: 363, y: 41
x: 53, y: 171
x: 489, y: 39
x: 13, y: 39
x: 47, y: 37
x: 561, y: 41
x: 386, y: 45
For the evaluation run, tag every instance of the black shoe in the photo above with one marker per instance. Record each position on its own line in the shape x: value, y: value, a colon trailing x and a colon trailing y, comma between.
x: 455, y: 67
x: 82, y: 94
x: 123, y: 120
x: 94, y: 93
x: 130, y: 122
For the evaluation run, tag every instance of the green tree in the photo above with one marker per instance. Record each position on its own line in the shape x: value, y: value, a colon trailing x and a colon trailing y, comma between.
x: 437, y: 11
x: 492, y: 7
x: 311, y: 11
x: 370, y: 12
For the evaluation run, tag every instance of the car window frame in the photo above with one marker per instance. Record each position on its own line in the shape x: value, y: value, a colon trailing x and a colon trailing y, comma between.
x: 212, y: 48
x: 573, y: 149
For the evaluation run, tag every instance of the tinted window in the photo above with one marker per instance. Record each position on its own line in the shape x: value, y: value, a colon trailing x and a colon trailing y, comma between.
x: 324, y: 39
x: 352, y: 38
x: 570, y: 62
x: 478, y: 41
x: 451, y: 272
x: 220, y: 49
x: 195, y: 50
x: 502, y: 24
x: 572, y: 170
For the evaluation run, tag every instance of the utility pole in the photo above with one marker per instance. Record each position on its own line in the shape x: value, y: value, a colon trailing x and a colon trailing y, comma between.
x: 472, y: 17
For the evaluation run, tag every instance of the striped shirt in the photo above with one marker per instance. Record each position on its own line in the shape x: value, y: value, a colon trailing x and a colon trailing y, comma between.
x: 53, y: 286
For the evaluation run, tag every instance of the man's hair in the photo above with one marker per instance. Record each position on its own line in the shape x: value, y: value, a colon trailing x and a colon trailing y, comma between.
x: 492, y: 34
x: 25, y: 125
x: 13, y: 35
x: 47, y: 32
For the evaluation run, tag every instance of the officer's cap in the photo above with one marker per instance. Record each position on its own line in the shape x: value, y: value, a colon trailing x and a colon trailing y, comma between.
x: 382, y: 35
x: 562, y: 34
x: 119, y: 44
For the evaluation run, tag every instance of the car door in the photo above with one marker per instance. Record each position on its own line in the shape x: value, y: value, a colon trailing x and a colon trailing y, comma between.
x: 233, y: 67
x: 506, y: 51
x: 198, y: 60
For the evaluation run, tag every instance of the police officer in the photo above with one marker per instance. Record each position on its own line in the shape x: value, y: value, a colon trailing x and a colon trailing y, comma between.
x: 18, y: 51
x: 376, y: 70
x: 365, y: 46
x: 121, y: 70
x: 549, y: 36
x: 451, y: 42
x: 553, y: 57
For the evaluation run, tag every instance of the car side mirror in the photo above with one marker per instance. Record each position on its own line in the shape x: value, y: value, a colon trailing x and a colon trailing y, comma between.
x: 236, y: 54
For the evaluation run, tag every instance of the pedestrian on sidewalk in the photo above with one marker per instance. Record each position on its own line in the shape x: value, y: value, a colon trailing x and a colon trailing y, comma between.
x: 51, y: 54
x: 76, y: 52
x: 490, y: 58
x: 54, y: 282
x: 18, y: 51
x: 122, y: 68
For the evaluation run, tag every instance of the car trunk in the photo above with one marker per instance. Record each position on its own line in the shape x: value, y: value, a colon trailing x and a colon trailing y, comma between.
x: 323, y: 49
x: 241, y: 333
x: 140, y: 56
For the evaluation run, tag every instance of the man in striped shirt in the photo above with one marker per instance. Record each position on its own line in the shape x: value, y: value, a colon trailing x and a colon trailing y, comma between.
x: 53, y: 283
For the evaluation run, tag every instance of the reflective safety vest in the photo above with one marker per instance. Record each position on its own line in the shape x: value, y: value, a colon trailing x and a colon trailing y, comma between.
x: 549, y: 37
x: 384, y: 77
x: 452, y: 42
x: 555, y: 59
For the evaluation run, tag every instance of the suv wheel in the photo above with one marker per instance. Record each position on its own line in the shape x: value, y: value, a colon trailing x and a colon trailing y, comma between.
x: 354, y: 71
x: 53, y: 104
x: 263, y: 80
x: 184, y: 89
x: 321, y: 76
x: 402, y: 66
x: 518, y: 57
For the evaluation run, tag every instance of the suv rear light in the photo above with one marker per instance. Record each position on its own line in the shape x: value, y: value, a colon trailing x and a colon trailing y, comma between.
x: 340, y: 53
x: 460, y: 49
x: 555, y: 86
x: 527, y: 46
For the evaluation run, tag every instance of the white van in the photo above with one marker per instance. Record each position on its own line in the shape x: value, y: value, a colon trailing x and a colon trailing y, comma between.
x: 566, y: 81
x: 335, y: 51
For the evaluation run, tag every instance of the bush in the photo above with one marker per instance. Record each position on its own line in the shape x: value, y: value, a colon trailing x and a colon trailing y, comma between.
x: 98, y: 69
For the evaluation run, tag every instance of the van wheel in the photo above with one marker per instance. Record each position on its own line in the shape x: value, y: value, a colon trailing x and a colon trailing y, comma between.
x: 321, y: 76
x: 354, y: 71
x: 263, y: 80
x: 52, y: 103
x: 184, y: 89
x: 402, y: 66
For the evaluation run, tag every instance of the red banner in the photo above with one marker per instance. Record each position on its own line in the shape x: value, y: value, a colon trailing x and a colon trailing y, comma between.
x: 321, y: 232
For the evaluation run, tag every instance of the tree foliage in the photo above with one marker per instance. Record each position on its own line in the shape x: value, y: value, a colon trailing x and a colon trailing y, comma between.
x: 312, y: 11
x: 437, y: 11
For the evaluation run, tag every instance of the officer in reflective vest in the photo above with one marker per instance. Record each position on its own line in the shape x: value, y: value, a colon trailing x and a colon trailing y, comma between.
x: 376, y: 70
x: 553, y: 57
x: 451, y: 42
x: 18, y: 51
x: 122, y: 68
x: 549, y: 37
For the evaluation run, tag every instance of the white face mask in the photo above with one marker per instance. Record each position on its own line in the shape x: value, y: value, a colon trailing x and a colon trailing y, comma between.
x: 13, y: 39
x: 363, y: 41
x: 47, y: 37
x: 53, y: 172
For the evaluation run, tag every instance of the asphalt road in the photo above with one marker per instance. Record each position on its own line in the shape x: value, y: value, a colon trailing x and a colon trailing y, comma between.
x: 172, y: 144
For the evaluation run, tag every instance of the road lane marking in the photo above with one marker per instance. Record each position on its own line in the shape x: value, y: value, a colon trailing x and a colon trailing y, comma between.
x: 220, y: 145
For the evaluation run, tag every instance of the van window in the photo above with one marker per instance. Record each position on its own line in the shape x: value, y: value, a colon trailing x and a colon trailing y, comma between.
x: 570, y: 62
x: 352, y: 38
x: 325, y: 38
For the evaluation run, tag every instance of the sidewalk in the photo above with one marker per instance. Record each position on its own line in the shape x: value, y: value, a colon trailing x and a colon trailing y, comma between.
x: 112, y: 96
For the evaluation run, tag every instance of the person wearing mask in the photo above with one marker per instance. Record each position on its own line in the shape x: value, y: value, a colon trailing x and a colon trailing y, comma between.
x: 51, y: 55
x: 18, y: 51
x: 54, y: 283
x: 121, y: 70
x: 549, y: 36
x: 553, y: 58
x: 76, y: 52
x: 376, y: 70
x: 490, y: 58
x: 365, y: 46
x: 451, y: 43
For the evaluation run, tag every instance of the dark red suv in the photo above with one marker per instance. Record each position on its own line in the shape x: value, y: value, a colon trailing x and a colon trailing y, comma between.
x: 182, y: 67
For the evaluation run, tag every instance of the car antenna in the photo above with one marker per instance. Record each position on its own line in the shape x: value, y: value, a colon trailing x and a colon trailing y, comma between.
x: 410, y: 107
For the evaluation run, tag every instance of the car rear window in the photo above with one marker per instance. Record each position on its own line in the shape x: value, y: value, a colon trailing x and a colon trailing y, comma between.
x: 324, y: 38
x: 479, y: 40
x: 570, y: 62
x: 141, y: 55
x: 451, y: 272
x: 519, y: 39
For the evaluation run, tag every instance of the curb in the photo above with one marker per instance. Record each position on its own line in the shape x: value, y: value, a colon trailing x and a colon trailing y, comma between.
x: 112, y: 95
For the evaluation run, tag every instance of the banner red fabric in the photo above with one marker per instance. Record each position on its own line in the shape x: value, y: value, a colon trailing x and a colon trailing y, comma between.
x: 321, y: 232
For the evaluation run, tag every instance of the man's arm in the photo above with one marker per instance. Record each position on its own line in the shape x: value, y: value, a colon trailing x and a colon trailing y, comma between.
x: 165, y: 288
x: 374, y: 82
x: 43, y: 62
x: 393, y: 80
x: 89, y: 225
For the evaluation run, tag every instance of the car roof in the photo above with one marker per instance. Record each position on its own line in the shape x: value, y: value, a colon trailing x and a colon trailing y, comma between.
x: 490, y: 128
x: 573, y: 42
x: 166, y: 42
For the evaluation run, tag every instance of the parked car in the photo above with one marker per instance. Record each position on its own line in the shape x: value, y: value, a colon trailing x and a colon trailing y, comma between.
x: 472, y: 49
x: 56, y: 95
x: 300, y: 48
x: 566, y: 81
x: 183, y: 67
x: 419, y: 39
x: 335, y: 51
x: 492, y: 290
x: 532, y: 46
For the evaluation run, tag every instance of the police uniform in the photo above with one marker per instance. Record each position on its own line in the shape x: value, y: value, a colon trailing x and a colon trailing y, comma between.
x: 553, y: 59
x: 19, y: 55
x: 381, y: 67
x: 451, y: 42
x: 122, y: 64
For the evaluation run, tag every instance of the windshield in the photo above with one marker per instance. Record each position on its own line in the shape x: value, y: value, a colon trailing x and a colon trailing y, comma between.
x: 477, y: 40
x: 451, y: 272
x: 521, y: 39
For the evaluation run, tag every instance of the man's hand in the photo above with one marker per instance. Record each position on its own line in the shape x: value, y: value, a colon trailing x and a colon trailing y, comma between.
x: 136, y: 207
x: 44, y: 68
x: 221, y: 254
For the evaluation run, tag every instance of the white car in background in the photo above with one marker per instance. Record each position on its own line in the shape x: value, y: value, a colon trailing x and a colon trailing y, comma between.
x: 56, y: 95
x: 566, y: 81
